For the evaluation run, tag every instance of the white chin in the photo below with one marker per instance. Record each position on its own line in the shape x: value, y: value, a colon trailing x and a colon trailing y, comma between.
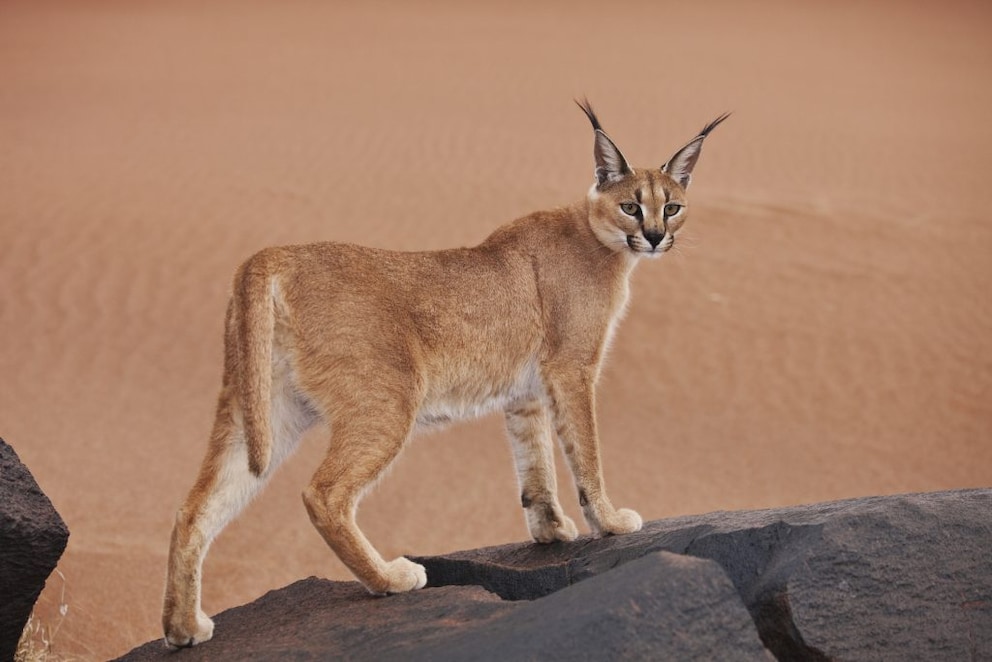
x: 645, y: 251
x: 649, y: 254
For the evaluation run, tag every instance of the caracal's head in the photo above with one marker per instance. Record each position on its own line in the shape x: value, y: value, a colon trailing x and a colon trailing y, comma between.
x: 640, y: 211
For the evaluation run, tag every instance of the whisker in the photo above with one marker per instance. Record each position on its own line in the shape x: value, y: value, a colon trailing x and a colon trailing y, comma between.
x: 688, y: 239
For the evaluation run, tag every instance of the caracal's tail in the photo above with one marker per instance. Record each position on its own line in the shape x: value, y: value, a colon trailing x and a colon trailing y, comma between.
x: 255, y: 319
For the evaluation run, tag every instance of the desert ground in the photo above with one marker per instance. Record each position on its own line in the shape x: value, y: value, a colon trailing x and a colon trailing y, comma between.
x: 823, y: 330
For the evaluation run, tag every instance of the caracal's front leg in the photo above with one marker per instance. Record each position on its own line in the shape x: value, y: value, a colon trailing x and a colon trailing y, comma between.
x: 366, y: 436
x: 529, y: 427
x: 573, y: 404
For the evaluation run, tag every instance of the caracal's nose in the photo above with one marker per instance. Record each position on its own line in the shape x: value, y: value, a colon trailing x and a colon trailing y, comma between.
x: 654, y: 238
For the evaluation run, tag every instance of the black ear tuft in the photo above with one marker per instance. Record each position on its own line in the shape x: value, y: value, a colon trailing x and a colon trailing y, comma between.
x: 712, y: 125
x: 611, y: 165
x: 587, y: 109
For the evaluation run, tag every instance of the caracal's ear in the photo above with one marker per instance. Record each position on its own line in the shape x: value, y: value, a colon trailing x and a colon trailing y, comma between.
x: 610, y: 164
x: 680, y: 166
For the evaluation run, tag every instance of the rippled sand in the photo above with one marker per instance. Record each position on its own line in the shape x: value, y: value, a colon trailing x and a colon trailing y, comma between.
x: 824, y: 331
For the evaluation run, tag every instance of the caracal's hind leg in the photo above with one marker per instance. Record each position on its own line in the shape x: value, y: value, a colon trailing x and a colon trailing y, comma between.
x: 223, y: 488
x: 529, y: 426
x: 367, y: 433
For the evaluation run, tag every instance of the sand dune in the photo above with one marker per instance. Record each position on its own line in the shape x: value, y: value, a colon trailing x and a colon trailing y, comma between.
x: 824, y: 331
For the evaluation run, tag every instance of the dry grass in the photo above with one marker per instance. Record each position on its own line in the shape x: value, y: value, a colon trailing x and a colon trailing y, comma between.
x: 37, y: 642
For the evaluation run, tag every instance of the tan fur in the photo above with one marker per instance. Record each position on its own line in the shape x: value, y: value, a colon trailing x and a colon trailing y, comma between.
x: 378, y: 343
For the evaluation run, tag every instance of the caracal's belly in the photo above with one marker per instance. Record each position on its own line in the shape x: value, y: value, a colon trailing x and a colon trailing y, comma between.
x: 477, y: 394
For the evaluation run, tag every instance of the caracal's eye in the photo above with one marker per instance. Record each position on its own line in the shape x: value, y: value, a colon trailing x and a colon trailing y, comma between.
x: 630, y: 208
x: 672, y: 209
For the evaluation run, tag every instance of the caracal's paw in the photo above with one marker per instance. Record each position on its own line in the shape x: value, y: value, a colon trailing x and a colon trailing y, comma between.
x: 550, y: 529
x: 624, y: 520
x: 183, y: 633
x: 404, y: 575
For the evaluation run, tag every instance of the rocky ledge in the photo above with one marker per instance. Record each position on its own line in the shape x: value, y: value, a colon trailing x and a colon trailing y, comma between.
x: 902, y: 577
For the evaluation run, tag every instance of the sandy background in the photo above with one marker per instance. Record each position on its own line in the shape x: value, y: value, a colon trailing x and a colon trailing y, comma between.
x: 824, y: 332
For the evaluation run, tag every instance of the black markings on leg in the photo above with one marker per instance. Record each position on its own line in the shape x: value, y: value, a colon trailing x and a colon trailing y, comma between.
x: 583, y: 501
x: 549, y: 515
x: 546, y: 511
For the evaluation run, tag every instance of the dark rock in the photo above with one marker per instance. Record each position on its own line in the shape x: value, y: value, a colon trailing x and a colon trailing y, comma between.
x: 32, y: 539
x: 320, y: 619
x: 906, y: 577
x: 661, y: 606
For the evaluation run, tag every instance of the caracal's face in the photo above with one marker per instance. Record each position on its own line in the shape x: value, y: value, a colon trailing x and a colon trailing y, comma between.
x: 640, y: 214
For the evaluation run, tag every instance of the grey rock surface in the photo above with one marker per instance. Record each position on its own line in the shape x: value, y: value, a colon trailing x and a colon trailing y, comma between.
x: 901, y: 577
x: 32, y: 539
x: 659, y: 605
x: 881, y: 578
